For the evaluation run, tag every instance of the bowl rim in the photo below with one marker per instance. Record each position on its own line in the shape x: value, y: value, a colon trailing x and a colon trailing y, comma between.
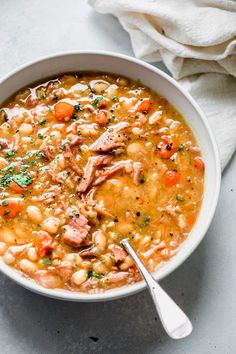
x: 124, y: 291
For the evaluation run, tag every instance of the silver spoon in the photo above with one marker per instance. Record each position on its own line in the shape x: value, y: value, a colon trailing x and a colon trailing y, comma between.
x: 175, y: 322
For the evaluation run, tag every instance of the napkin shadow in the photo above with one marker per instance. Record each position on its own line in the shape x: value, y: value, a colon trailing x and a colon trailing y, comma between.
x: 130, y: 325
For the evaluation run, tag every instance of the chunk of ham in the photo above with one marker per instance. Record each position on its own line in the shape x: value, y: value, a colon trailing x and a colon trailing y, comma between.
x: 109, y: 172
x: 112, y: 138
x: 3, y: 144
x: 90, y: 169
x: 48, y: 153
x: 116, y: 277
x: 76, y: 232
x: 64, y: 270
x: 70, y: 159
x: 118, y: 252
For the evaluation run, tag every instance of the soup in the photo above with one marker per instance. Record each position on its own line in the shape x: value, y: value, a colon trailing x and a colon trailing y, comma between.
x: 85, y: 160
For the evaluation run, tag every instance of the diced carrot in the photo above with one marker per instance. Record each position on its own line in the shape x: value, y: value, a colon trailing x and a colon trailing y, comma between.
x: 143, y: 107
x: 102, y: 104
x: 190, y: 219
x: 199, y: 164
x: 10, y: 207
x: 101, y: 118
x: 63, y: 111
x: 171, y: 178
x: 166, y: 147
x: 44, y: 243
x: 16, y: 188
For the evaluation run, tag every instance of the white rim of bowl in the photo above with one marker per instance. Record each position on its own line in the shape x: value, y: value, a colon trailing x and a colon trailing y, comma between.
x: 128, y: 290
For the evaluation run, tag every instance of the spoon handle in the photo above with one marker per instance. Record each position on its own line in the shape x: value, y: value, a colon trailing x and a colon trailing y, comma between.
x: 175, y: 322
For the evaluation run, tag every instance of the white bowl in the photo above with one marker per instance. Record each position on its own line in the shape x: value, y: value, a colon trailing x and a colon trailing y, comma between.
x: 184, y: 103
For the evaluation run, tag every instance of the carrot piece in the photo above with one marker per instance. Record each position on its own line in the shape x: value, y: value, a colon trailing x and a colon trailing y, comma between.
x: 199, y: 164
x: 10, y: 207
x: 16, y: 188
x: 190, y: 219
x: 143, y: 107
x: 171, y: 178
x: 101, y: 118
x: 44, y: 243
x: 63, y: 111
x: 102, y: 104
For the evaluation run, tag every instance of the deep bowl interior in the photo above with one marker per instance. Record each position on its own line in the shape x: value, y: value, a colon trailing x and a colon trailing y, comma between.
x: 165, y: 86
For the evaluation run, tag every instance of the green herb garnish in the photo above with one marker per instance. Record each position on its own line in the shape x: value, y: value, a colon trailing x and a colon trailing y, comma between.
x: 22, y: 179
x: 180, y: 147
x: 10, y: 153
x: 179, y: 198
x: 77, y: 108
x: 145, y: 221
x: 5, y: 202
x: 40, y: 136
x: 93, y: 274
x: 6, y: 180
x: 46, y: 261
x: 6, y: 212
x: 115, y: 99
x: 41, y: 121
x: 97, y: 100
x: 24, y: 168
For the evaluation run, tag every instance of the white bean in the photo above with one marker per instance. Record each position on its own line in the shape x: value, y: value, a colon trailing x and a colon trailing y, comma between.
x: 124, y: 227
x: 34, y: 214
x: 100, y: 240
x: 3, y: 162
x: 25, y: 129
x: 100, y: 86
x: 3, y: 248
x: 134, y: 149
x: 8, y: 258
x: 27, y: 266
x: 80, y: 276
x: 99, y: 267
x: 74, y: 258
x: 51, y: 225
x: 128, y: 262
x: 32, y: 254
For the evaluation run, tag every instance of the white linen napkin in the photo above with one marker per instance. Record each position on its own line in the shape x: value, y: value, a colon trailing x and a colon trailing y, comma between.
x: 196, y: 39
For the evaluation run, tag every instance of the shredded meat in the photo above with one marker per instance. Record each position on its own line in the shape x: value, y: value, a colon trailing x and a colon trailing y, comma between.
x: 116, y: 277
x: 118, y: 252
x: 90, y: 169
x: 111, y: 139
x: 70, y: 160
x: 76, y: 232
x: 109, y: 172
x: 138, y: 170
x: 48, y: 153
x: 64, y: 270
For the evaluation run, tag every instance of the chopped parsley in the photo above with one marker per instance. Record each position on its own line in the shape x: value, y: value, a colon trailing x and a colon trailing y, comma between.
x: 50, y: 109
x: 77, y: 108
x: 5, y: 202
x: 24, y: 168
x: 40, y: 136
x: 40, y: 154
x: 92, y: 274
x: 97, y: 100
x: 180, y: 147
x: 10, y: 153
x: 22, y: 179
x: 180, y: 198
x: 41, y: 121
x: 46, y: 261
x: 115, y: 99
x: 6, y: 179
x: 91, y: 89
x: 55, y: 97
x: 145, y: 221
x: 43, y: 95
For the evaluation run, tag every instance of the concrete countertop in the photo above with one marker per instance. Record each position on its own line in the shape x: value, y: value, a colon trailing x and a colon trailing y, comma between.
x: 204, y: 286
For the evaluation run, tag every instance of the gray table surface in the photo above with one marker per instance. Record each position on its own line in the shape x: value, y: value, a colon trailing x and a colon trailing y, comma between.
x: 204, y: 286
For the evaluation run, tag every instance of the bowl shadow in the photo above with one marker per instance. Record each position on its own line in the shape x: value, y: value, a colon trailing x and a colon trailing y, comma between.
x: 38, y: 324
